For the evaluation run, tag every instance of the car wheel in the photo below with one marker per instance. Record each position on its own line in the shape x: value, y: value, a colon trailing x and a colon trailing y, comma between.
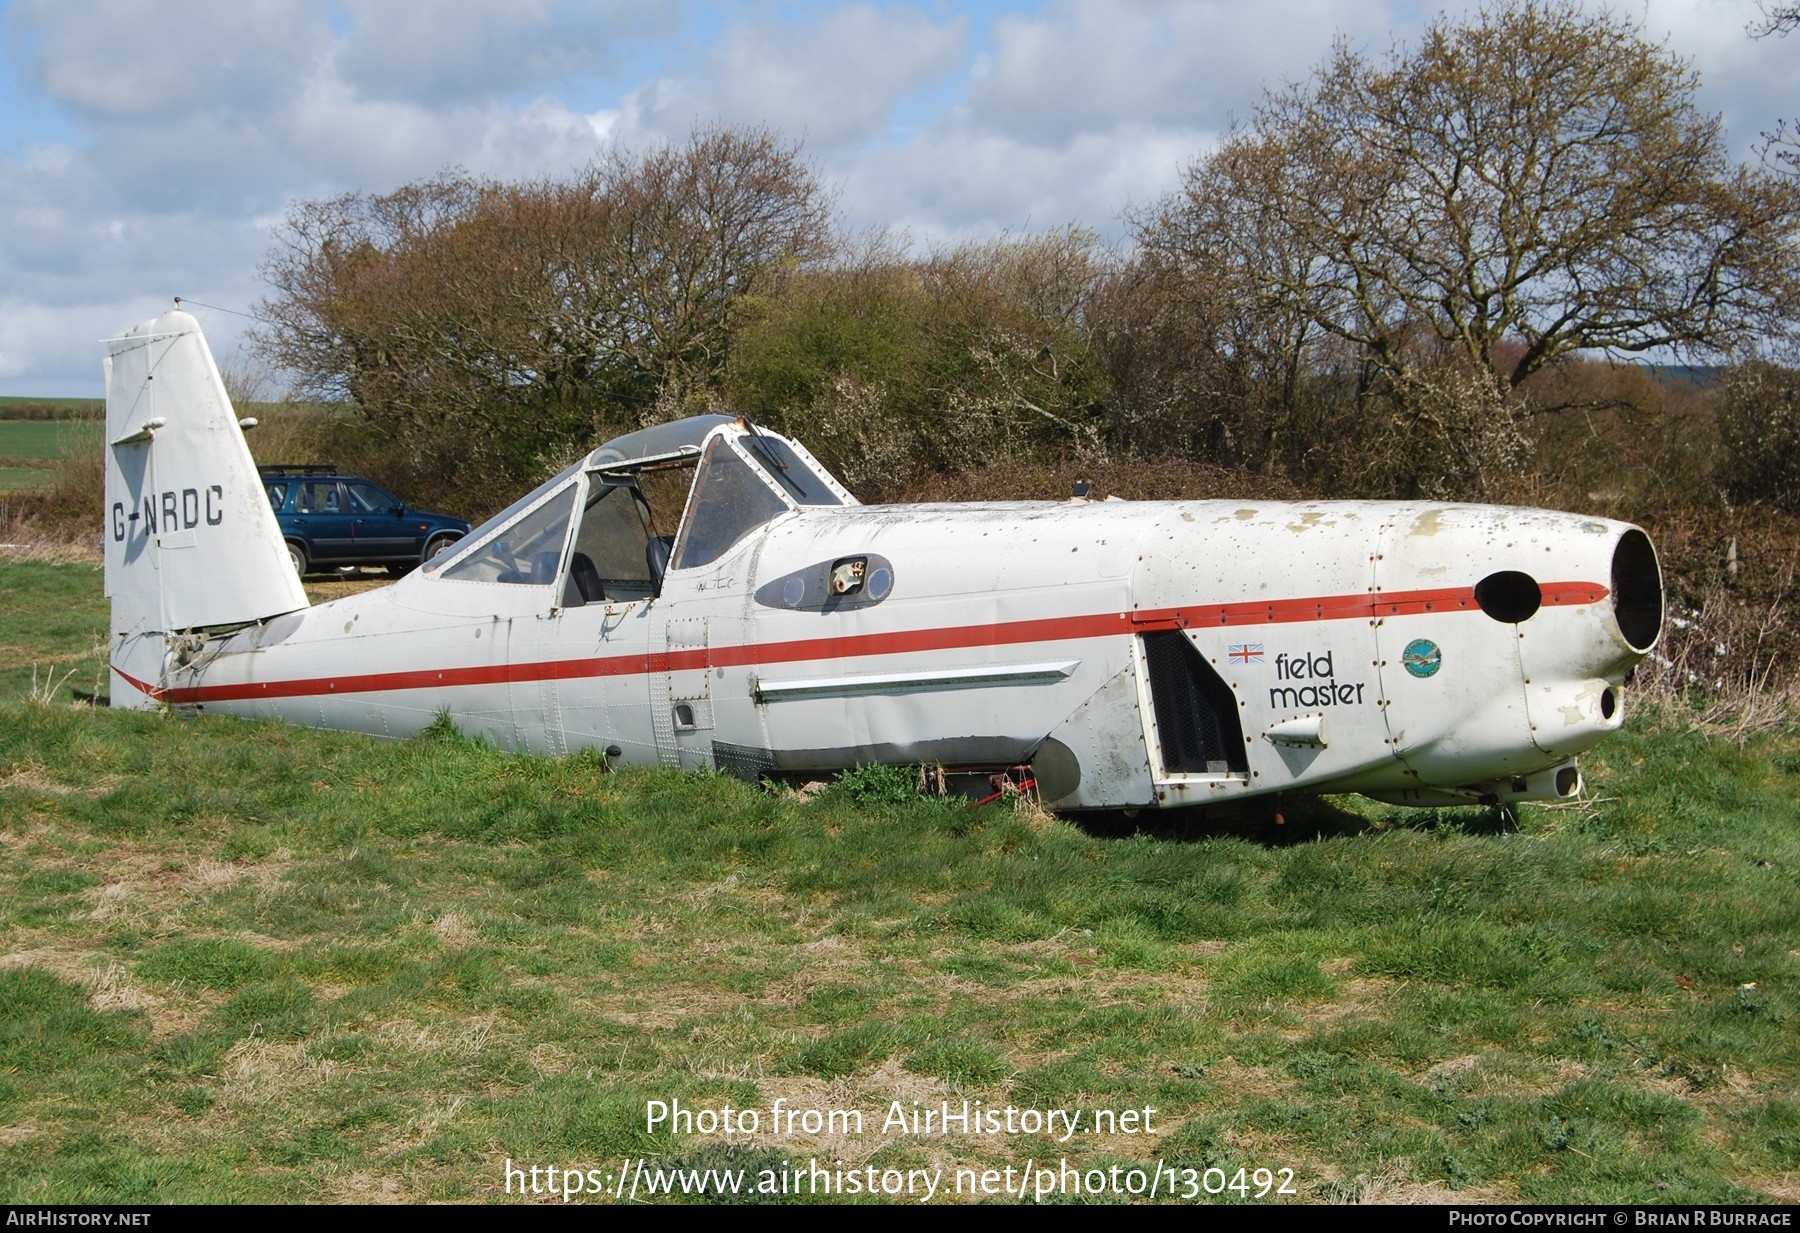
x: 297, y: 555
x: 437, y: 544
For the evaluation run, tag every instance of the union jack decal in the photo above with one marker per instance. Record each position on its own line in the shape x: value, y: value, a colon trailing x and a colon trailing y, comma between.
x: 1244, y: 652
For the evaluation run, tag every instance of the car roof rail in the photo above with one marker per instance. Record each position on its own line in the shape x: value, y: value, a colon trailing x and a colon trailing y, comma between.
x: 300, y: 468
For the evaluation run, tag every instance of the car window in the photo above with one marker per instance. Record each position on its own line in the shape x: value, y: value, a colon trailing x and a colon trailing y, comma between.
x: 277, y: 495
x: 365, y: 498
x: 319, y: 497
x: 528, y: 552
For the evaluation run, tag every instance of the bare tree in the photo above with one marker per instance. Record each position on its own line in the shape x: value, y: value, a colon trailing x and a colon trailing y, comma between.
x: 334, y: 266
x: 1205, y: 355
x: 1777, y: 19
x: 1782, y: 146
x: 1539, y: 175
x: 695, y: 230
x: 500, y: 325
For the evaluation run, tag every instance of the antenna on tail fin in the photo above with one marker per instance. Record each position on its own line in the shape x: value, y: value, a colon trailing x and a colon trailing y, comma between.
x: 191, y: 542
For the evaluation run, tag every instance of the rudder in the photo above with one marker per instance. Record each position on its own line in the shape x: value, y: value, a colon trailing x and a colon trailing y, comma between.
x: 191, y: 542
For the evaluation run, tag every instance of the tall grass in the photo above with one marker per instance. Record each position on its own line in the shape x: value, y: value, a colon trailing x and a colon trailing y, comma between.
x: 1725, y: 662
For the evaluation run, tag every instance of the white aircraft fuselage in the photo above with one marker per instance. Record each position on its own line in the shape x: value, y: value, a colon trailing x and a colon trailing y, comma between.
x: 1132, y: 655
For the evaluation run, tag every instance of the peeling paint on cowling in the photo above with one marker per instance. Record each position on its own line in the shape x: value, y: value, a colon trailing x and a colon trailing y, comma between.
x: 1311, y: 518
x: 1427, y: 523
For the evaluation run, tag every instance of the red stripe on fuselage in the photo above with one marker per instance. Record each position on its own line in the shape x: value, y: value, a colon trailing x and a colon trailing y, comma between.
x: 1369, y: 606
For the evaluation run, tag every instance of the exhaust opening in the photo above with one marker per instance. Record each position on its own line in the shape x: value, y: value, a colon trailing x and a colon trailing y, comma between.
x: 1509, y: 596
x: 1637, y: 590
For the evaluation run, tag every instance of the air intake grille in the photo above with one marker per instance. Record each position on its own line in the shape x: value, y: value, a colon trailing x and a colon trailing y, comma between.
x: 1196, y: 714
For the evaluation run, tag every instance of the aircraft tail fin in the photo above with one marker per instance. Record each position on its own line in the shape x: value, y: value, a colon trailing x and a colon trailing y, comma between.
x: 191, y: 542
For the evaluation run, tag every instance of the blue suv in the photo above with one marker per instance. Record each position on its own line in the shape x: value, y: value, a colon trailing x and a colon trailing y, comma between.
x: 332, y: 519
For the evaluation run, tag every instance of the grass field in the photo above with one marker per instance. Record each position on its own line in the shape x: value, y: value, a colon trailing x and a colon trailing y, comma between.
x: 25, y: 479
x: 30, y: 450
x: 251, y: 962
x: 45, y: 440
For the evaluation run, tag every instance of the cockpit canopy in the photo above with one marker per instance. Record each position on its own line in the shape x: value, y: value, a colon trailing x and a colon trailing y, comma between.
x: 593, y: 526
x: 658, y: 443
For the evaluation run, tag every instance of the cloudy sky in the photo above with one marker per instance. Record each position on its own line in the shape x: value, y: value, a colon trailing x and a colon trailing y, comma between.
x: 148, y: 148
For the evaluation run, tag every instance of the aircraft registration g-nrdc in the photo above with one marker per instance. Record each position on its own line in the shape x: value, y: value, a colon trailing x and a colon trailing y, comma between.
x: 1124, y: 655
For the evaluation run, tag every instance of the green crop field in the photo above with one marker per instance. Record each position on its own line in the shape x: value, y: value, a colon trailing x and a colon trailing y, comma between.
x: 258, y: 963
x: 25, y: 479
x: 46, y: 439
x: 31, y: 449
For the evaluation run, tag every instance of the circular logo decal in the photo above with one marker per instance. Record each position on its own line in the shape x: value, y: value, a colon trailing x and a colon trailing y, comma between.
x: 1422, y: 657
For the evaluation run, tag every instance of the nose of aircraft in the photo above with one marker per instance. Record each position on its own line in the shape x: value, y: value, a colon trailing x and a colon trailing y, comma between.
x: 1637, y: 591
x: 1574, y: 665
x: 1574, y: 668
x: 1571, y: 605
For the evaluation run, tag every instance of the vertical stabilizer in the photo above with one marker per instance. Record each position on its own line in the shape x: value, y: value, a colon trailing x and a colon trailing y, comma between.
x: 191, y: 542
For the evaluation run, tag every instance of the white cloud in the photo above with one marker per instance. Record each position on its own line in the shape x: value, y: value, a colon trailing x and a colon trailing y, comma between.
x: 1084, y: 66
x: 203, y: 121
x: 1085, y: 109
x: 454, y: 53
x: 954, y: 182
x: 832, y: 82
x: 132, y: 59
x: 340, y: 137
x: 375, y: 145
x: 90, y: 284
